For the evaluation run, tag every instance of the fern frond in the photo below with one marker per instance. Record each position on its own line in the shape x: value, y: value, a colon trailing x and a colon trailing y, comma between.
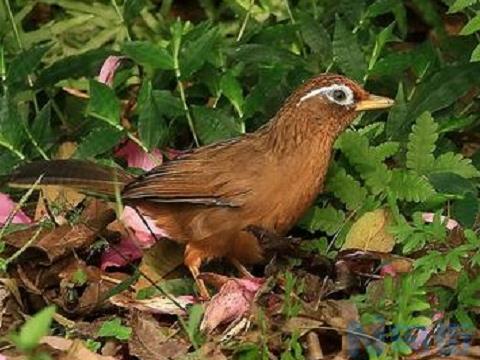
x: 386, y: 150
x: 409, y: 186
x: 326, y: 219
x: 346, y: 188
x: 421, y: 144
x: 378, y: 180
x: 455, y: 163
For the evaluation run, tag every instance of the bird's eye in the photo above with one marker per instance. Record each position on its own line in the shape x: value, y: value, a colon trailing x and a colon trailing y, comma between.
x: 339, y: 95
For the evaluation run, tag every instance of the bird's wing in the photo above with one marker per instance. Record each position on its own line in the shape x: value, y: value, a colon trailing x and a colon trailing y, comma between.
x: 190, y: 180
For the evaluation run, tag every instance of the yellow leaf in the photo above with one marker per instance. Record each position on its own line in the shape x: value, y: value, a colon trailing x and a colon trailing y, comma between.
x: 370, y: 233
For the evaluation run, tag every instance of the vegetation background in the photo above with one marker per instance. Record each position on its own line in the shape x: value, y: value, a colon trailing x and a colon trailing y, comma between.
x: 195, y: 72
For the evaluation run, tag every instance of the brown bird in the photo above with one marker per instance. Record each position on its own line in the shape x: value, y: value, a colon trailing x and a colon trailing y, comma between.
x: 209, y: 196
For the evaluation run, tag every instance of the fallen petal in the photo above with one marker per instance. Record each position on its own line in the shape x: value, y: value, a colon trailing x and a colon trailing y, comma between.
x: 145, y: 228
x: 233, y: 301
x: 137, y: 158
x: 7, y: 206
x: 121, y: 254
x: 450, y: 224
x: 107, y: 72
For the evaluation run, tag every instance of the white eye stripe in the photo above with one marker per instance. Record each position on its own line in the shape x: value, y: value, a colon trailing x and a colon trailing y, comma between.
x: 328, y: 92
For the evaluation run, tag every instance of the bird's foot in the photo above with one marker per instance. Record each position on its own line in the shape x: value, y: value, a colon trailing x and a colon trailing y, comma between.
x: 241, y: 269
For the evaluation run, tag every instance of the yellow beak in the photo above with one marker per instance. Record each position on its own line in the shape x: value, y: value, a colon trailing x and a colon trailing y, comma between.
x: 374, y: 102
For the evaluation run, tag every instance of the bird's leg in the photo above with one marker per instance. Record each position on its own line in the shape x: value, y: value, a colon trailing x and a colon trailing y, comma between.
x: 193, y: 260
x: 241, y: 269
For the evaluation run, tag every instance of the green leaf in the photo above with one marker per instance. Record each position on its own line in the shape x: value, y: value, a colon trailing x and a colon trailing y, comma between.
x: 421, y: 144
x: 455, y: 163
x: 34, y: 329
x: 326, y: 219
x: 194, y: 52
x: 98, y: 141
x: 232, y: 89
x: 41, y: 128
x: 347, y: 52
x: 72, y: 67
x: 11, y: 131
x: 132, y: 8
x: 148, y: 54
x: 472, y: 26
x: 213, y: 124
x: 407, y: 185
x: 25, y: 64
x: 380, y: 41
x: 443, y: 88
x: 151, y: 124
x: 346, y: 188
x: 459, y: 5
x: 316, y: 37
x: 465, y: 210
x: 450, y: 183
x: 103, y: 104
x: 168, y: 104
x: 114, y: 328
x: 475, y: 54
x: 396, y: 127
x: 195, y: 314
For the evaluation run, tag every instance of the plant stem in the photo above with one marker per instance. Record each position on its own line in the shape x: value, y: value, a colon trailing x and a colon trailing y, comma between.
x: 245, y: 21
x: 120, y: 16
x: 298, y: 33
x: 178, y: 76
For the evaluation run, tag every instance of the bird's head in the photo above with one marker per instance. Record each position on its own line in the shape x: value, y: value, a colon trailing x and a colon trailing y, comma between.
x: 334, y: 101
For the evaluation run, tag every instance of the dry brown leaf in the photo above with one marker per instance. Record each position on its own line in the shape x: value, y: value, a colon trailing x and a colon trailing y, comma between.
x: 150, y: 341
x: 370, y: 233
x: 158, y: 261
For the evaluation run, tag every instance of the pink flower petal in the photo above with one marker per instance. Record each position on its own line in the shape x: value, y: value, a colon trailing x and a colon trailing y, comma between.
x: 143, y: 233
x: 450, y: 225
x: 7, y: 206
x: 107, y: 72
x: 120, y: 254
x: 232, y: 302
x: 136, y: 157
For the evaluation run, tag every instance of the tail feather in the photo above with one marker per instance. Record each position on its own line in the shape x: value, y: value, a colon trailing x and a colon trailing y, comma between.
x: 81, y: 175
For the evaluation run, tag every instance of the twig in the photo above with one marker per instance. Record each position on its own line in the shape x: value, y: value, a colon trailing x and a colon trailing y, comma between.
x: 245, y: 21
x: 314, y: 348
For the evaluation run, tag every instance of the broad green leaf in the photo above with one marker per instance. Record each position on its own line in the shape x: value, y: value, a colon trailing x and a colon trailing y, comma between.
x: 380, y: 41
x: 24, y: 64
x: 396, y: 7
x: 393, y: 64
x: 475, y: 54
x: 213, y: 125
x: 34, y: 329
x: 346, y: 188
x: 459, y: 5
x: 132, y: 8
x: 232, y: 89
x: 72, y: 67
x: 472, y: 26
x: 11, y: 131
x: 455, y: 163
x: 151, y: 124
x: 115, y: 329
x: 194, y: 52
x: 450, y: 183
x: 259, y: 54
x: 428, y: 10
x: 195, y: 314
x: 148, y: 54
x: 103, y: 104
x: 41, y: 128
x: 347, y: 53
x: 396, y: 127
x: 409, y: 186
x: 168, y: 104
x: 443, y: 88
x: 98, y: 141
x: 465, y: 210
x: 326, y: 219
x: 317, y: 38
x: 421, y: 144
